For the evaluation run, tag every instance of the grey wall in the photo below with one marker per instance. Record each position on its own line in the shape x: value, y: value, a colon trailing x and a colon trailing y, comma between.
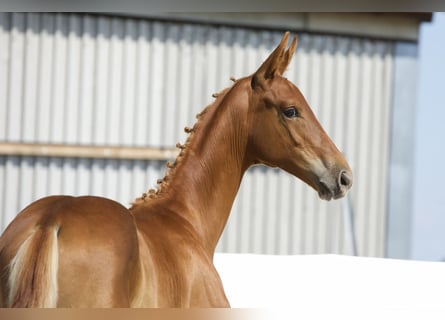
x: 101, y: 80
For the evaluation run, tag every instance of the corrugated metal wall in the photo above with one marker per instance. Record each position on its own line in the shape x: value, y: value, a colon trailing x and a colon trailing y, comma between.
x: 102, y: 80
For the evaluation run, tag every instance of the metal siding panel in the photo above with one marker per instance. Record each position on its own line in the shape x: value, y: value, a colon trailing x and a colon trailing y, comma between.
x: 25, y: 182
x: 52, y: 186
x: 12, y: 187
x: 102, y: 80
x: 156, y: 85
x: 363, y: 167
x: 284, y: 232
x: 68, y: 183
x: 352, y: 112
x: 98, y: 177
x: 113, y: 113
x: 30, y: 95
x: 73, y: 83
x: 183, y: 84
x: 139, y: 179
x: 211, y: 60
x: 5, y: 34
x: 339, y: 107
x: 40, y: 177
x: 112, y: 181
x: 87, y: 67
x: 297, y: 217
x: 198, y: 99
x: 270, y: 208
x: 4, y: 201
x: 25, y: 179
x: 244, y: 205
x: 171, y: 105
x: 141, y: 104
x: 3, y: 185
x: 83, y: 177
x: 372, y: 185
x: 258, y: 203
x: 15, y: 102
x: 59, y: 78
x: 378, y: 106
x: 45, y: 79
x: 373, y: 168
x: 102, y: 74
x: 385, y: 120
x: 129, y: 63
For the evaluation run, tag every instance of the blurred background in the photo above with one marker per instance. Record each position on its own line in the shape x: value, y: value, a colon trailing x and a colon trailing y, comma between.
x: 428, y: 238
x: 95, y: 103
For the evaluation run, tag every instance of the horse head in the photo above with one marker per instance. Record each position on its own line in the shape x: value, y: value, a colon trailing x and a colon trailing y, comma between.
x: 284, y: 132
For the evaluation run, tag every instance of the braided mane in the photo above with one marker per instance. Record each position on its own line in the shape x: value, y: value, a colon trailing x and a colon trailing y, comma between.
x: 164, y: 182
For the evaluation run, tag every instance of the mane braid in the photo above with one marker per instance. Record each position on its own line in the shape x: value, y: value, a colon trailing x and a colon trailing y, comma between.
x: 163, y: 183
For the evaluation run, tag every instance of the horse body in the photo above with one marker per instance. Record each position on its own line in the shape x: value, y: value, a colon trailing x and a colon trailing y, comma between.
x: 111, y: 256
x: 93, y: 252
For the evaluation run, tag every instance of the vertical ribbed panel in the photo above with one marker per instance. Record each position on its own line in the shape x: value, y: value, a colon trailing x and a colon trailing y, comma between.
x: 25, y: 179
x: 102, y: 80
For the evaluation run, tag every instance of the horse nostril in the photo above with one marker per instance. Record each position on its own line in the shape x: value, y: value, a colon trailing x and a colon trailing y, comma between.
x: 345, y: 180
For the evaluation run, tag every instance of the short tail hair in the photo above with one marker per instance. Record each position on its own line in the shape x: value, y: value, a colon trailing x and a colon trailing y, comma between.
x: 33, y: 271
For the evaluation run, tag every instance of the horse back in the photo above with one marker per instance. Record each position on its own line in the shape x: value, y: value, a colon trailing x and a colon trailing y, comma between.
x: 96, y: 242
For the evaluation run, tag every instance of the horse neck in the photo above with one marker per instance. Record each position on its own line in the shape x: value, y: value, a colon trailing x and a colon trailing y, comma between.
x: 206, y: 176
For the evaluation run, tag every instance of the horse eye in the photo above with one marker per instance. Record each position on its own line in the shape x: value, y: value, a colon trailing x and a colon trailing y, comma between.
x: 291, y: 112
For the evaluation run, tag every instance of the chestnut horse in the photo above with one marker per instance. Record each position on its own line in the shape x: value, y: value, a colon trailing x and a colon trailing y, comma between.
x: 64, y: 251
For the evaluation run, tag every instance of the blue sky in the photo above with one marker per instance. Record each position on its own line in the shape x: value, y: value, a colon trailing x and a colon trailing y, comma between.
x: 428, y: 228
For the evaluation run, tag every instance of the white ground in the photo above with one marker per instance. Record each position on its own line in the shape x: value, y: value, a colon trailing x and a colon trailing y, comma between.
x: 334, y: 286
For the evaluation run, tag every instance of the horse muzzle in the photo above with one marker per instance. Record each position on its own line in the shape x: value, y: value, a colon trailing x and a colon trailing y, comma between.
x: 334, y: 186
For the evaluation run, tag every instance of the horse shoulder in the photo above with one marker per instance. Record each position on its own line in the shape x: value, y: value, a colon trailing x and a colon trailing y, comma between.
x: 178, y: 271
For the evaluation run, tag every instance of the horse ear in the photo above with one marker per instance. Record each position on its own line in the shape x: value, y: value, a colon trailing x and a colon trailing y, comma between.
x: 288, y: 56
x: 276, y: 63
